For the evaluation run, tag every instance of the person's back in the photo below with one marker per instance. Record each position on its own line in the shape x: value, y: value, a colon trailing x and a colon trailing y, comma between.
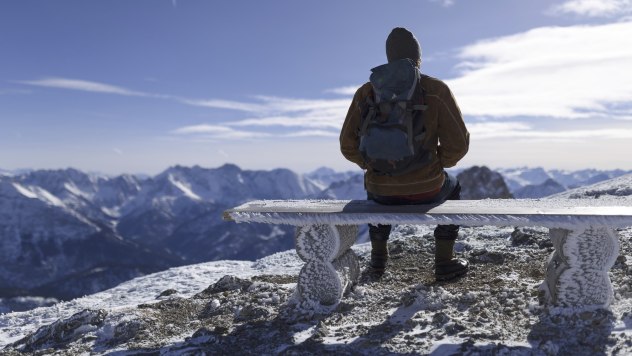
x: 445, y: 140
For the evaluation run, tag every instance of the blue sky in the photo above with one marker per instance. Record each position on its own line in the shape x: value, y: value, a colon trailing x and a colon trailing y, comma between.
x: 137, y: 86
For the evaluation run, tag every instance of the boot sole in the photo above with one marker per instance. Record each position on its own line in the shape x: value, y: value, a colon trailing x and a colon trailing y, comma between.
x: 377, y: 269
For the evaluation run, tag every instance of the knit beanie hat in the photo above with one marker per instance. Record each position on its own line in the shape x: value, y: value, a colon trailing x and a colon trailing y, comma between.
x: 401, y: 44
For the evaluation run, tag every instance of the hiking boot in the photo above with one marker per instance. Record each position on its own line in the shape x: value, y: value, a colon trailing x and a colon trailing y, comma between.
x: 450, y: 269
x: 379, y: 255
x: 378, y: 262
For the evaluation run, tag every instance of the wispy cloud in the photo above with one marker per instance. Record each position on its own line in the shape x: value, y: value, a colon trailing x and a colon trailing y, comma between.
x: 560, y: 72
x: 223, y: 132
x: 497, y: 129
x: 292, y: 105
x: 521, y: 130
x: 309, y: 116
x: 312, y: 133
x: 217, y: 132
x: 308, y: 120
x: 348, y: 90
x: 593, y: 8
x: 313, y: 121
x: 103, y: 88
x: 224, y: 104
x: 83, y: 85
x: 266, y: 105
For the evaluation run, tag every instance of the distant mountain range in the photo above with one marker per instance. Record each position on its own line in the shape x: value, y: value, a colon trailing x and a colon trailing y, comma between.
x: 538, y: 182
x: 66, y: 233
x: 614, y: 188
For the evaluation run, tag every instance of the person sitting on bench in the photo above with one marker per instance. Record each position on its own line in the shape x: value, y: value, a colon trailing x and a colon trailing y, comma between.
x: 403, y: 128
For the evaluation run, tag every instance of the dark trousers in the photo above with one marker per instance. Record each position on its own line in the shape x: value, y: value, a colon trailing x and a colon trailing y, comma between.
x: 451, y: 190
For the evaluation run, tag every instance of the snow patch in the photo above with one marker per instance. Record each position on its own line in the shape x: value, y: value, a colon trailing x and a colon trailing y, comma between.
x: 38, y: 193
x: 72, y: 188
x: 185, y: 188
x: 113, y: 212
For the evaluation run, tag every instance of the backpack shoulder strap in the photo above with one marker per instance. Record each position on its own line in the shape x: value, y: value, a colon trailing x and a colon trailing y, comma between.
x: 369, y: 111
x: 422, y: 97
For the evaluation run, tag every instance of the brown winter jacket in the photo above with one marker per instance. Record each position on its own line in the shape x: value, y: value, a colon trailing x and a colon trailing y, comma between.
x: 446, y: 137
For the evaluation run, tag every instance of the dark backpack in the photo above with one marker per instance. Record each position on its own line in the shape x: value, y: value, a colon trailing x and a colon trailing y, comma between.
x: 392, y: 129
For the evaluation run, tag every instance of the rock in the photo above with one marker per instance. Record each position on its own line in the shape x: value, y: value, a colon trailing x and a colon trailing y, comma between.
x: 225, y: 284
x: 203, y: 331
x: 520, y: 237
x: 453, y: 328
x: 481, y: 183
x: 167, y: 293
x: 321, y: 330
x: 125, y: 331
x: 497, y: 258
x: 440, y: 318
x: 250, y: 312
x: 63, y: 331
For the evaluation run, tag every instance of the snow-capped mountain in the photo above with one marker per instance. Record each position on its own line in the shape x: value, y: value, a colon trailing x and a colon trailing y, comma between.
x: 181, y: 210
x: 325, y: 176
x: 476, y: 183
x: 95, y: 196
x: 611, y: 189
x: 574, y: 179
x: 517, y: 178
x: 546, y: 188
x: 14, y: 172
x: 351, y: 187
x: 49, y: 249
x: 65, y: 233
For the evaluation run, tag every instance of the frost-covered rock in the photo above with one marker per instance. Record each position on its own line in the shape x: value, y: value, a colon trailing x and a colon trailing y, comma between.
x: 62, y: 332
x: 481, y: 182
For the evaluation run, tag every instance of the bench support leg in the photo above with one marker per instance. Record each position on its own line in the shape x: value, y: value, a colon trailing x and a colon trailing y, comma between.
x: 577, y: 273
x: 331, y: 267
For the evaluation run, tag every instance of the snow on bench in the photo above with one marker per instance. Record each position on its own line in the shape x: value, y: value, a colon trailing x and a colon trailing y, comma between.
x: 582, y: 231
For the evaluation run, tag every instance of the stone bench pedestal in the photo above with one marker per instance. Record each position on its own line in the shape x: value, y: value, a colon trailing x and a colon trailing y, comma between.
x: 577, y: 273
x: 331, y: 267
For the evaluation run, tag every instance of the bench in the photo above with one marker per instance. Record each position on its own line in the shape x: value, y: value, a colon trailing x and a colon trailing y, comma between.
x: 583, y: 232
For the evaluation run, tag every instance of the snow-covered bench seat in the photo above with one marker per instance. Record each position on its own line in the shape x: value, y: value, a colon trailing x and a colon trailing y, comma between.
x: 582, y: 231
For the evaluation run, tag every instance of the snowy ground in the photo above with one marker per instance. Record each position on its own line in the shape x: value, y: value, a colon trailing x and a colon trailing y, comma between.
x: 495, y: 309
